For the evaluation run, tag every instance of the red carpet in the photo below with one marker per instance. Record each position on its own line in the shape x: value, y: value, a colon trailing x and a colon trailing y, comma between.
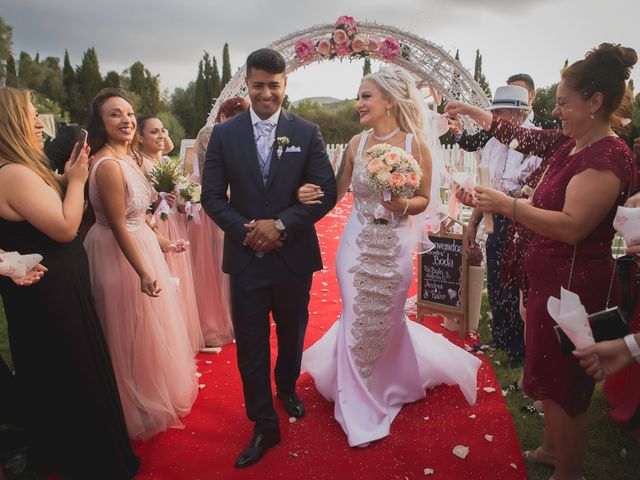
x: 422, y: 436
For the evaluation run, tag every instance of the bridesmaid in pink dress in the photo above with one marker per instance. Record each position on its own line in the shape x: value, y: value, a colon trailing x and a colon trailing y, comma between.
x: 135, y: 300
x: 212, y: 285
x: 150, y: 145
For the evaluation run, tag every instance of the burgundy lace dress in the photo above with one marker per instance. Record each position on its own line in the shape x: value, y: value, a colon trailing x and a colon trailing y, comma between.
x: 548, y: 373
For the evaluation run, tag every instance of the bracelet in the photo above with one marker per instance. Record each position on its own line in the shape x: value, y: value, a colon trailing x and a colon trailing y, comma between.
x: 632, y: 345
x: 406, y: 207
x: 513, y: 216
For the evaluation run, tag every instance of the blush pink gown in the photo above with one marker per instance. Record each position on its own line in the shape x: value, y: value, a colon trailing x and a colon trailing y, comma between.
x: 180, y: 266
x: 211, y: 283
x: 147, y: 338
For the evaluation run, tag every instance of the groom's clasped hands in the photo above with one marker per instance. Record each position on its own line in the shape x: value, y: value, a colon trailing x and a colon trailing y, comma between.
x: 263, y: 236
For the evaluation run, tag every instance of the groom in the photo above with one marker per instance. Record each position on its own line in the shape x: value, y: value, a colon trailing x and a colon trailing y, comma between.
x: 270, y: 245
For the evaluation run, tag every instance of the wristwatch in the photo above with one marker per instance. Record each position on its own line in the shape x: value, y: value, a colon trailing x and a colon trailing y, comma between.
x: 279, y: 225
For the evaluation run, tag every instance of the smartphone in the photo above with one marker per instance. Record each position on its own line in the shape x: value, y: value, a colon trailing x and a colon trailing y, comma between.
x: 80, y: 145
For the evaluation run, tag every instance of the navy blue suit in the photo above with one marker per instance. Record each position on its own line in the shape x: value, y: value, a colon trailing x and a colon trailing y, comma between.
x: 279, y: 282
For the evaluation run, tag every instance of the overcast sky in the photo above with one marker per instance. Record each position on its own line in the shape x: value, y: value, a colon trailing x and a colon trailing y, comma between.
x: 170, y: 36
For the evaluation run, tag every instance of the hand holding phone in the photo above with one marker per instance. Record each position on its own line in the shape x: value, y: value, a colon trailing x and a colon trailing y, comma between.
x: 81, y: 143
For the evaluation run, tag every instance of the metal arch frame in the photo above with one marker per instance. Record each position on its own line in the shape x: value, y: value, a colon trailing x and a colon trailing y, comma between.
x: 429, y: 62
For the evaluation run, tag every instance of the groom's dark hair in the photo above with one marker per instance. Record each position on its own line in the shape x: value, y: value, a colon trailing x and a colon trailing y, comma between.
x: 266, y: 59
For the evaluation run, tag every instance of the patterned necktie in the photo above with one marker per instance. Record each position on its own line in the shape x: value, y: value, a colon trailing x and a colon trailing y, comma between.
x: 264, y: 129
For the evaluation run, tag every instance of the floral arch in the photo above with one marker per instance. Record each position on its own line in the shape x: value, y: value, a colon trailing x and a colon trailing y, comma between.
x: 350, y: 40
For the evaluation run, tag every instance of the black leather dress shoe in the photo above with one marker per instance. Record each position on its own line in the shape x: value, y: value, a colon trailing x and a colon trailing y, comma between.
x: 257, y: 448
x: 292, y: 404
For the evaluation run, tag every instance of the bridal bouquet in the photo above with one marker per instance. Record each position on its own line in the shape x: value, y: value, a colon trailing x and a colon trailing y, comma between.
x: 164, y: 177
x: 190, y: 192
x: 392, y: 171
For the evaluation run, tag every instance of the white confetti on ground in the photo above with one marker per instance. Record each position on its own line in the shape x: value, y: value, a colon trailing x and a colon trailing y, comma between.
x: 201, y: 386
x: 488, y: 438
x: 473, y: 415
x: 428, y: 471
x: 461, y: 451
x: 489, y: 389
x: 292, y: 419
x: 514, y: 466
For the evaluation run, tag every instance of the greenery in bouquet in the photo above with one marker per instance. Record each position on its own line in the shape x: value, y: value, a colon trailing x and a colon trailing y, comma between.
x: 165, y: 175
x: 190, y: 193
x: 391, y: 169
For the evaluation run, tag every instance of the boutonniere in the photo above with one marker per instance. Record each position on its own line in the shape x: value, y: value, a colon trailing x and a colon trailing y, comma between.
x: 282, y: 144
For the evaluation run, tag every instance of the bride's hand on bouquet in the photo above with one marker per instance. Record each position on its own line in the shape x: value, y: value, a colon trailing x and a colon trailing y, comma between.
x: 149, y: 286
x: 310, y: 194
x: 489, y: 200
x: 395, y: 205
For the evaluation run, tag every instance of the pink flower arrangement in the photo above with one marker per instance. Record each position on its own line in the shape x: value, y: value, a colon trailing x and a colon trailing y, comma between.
x: 397, y: 180
x: 342, y: 50
x: 391, y: 169
x: 340, y: 37
x: 359, y: 43
x: 389, y: 49
x: 374, y: 43
x: 345, y: 41
x: 346, y: 23
x: 305, y: 49
x: 324, y: 47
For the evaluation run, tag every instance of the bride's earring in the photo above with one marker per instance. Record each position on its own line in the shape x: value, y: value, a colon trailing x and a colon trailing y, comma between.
x: 388, y: 112
x: 592, y: 115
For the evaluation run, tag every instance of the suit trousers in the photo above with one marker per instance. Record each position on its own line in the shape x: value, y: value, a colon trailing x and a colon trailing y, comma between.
x: 507, y: 327
x: 267, y: 285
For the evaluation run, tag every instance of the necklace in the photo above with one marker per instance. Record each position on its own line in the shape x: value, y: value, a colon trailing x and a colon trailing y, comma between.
x: 386, y: 137
x: 119, y: 156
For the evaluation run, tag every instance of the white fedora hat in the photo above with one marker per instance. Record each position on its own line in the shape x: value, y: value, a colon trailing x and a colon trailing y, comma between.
x: 510, y: 96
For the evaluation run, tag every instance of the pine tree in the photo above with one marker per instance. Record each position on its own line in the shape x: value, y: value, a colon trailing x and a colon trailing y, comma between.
x: 89, y: 81
x: 137, y: 78
x: 366, y: 69
x: 226, y: 67
x: 12, y: 77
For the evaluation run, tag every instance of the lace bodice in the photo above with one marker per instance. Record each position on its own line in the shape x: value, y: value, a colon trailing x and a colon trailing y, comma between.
x: 139, y: 193
x: 365, y: 199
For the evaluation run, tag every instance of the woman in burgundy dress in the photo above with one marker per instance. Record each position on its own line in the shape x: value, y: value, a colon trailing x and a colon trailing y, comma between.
x: 590, y: 173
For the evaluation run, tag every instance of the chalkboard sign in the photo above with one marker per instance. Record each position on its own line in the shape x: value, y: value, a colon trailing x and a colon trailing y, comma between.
x: 442, y: 278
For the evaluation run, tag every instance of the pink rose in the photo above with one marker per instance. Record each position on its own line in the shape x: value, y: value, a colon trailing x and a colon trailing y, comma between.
x: 397, y: 180
x: 342, y: 49
x: 374, y: 166
x: 389, y: 49
x: 374, y: 43
x: 347, y: 23
x: 412, y: 179
x: 340, y: 37
x: 391, y: 159
x: 305, y: 50
x: 324, y: 47
x: 358, y: 43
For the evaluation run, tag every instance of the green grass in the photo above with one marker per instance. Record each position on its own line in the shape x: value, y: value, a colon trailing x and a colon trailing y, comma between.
x: 607, y: 440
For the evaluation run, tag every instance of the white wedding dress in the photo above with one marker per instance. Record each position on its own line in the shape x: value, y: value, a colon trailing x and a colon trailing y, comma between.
x: 373, y: 359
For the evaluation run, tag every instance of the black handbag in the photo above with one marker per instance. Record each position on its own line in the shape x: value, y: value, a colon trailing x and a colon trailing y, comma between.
x: 608, y: 324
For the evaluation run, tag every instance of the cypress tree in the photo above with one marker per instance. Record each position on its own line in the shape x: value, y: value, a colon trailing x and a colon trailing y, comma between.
x: 11, y: 78
x: 89, y: 80
x: 226, y: 66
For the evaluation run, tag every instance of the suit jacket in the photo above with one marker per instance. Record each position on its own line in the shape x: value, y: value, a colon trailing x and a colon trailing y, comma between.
x: 232, y: 163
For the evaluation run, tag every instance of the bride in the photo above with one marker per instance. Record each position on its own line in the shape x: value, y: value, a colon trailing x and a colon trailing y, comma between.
x: 373, y: 359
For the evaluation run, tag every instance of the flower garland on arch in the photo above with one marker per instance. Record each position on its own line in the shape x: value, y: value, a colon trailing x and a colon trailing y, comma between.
x: 345, y: 41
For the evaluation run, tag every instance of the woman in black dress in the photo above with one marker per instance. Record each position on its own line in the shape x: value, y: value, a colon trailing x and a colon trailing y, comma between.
x: 63, y: 370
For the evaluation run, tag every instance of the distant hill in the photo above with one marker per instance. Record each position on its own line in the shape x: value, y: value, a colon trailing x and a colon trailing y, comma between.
x: 321, y: 100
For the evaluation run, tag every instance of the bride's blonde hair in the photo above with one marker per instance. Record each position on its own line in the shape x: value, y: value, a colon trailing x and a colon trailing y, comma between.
x: 400, y: 87
x: 17, y: 143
